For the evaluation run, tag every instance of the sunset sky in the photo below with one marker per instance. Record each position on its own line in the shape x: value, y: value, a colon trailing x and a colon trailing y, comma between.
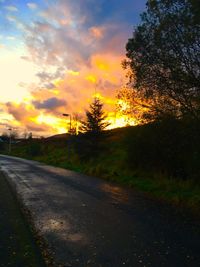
x: 54, y: 56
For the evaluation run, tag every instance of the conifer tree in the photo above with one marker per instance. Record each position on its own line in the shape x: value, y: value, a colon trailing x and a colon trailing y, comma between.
x: 95, y: 118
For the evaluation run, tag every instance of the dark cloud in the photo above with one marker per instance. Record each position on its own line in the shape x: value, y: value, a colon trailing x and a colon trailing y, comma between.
x: 45, y: 76
x: 51, y: 103
x: 49, y: 85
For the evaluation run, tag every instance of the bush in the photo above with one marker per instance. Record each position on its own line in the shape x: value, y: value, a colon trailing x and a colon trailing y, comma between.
x: 171, y: 147
x: 89, y: 146
x: 33, y: 149
x: 2, y: 146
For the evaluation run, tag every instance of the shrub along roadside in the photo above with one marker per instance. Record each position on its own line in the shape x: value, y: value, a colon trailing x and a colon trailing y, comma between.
x: 162, y: 159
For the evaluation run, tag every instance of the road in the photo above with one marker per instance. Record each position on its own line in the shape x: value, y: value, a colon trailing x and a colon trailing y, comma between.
x: 17, y: 243
x: 89, y: 222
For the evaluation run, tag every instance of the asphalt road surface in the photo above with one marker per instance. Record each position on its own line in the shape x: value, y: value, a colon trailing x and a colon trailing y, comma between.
x: 88, y: 222
x: 17, y: 243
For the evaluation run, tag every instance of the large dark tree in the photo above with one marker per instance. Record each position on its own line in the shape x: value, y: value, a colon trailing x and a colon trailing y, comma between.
x: 95, y: 118
x: 164, y: 57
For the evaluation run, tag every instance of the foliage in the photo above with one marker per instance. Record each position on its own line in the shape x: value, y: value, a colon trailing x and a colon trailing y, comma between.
x: 171, y: 148
x: 30, y: 136
x: 91, y: 143
x: 33, y: 148
x: 5, y: 137
x: 164, y: 57
x: 2, y: 146
x: 131, y: 105
x: 12, y: 134
x: 95, y: 118
x: 75, y: 122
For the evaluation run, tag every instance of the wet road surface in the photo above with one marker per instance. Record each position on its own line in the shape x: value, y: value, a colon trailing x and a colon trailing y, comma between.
x: 17, y: 244
x: 89, y: 222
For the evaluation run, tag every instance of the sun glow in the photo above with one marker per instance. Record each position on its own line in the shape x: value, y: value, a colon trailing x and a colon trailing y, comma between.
x: 118, y: 121
x: 98, y: 95
x: 123, y: 105
x: 91, y: 78
x: 73, y: 73
x: 12, y: 87
x: 102, y: 65
x: 58, y: 125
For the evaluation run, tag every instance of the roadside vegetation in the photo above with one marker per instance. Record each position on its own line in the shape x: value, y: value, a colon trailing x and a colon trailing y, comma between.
x: 162, y: 159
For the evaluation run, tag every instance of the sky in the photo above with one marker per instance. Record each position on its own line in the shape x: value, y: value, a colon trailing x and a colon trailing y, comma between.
x: 56, y: 55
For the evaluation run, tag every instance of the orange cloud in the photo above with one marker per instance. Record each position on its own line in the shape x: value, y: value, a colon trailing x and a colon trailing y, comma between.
x: 97, y: 32
x: 42, y: 110
x: 91, y: 78
x: 72, y: 94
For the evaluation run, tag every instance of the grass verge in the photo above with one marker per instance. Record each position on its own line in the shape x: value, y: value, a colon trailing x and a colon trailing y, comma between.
x: 17, y: 244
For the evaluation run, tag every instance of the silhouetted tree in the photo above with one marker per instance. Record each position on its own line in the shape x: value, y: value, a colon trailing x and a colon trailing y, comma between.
x: 164, y: 57
x: 95, y: 118
x: 129, y: 104
x: 5, y: 137
x: 75, y: 122
x: 30, y: 136
x: 92, y: 143
x: 13, y: 134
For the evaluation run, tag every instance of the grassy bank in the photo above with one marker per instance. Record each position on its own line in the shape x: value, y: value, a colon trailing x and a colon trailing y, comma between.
x: 157, y: 159
x: 17, y: 245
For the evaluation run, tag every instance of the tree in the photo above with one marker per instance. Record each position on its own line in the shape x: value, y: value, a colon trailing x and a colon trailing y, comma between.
x: 5, y: 137
x: 30, y: 136
x: 92, y: 143
x: 129, y: 104
x: 164, y: 58
x: 13, y: 134
x: 75, y: 124
x: 95, y: 118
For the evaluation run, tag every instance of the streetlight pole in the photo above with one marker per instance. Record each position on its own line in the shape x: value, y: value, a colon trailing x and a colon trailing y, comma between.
x: 70, y: 121
x: 10, y: 140
x: 70, y: 126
